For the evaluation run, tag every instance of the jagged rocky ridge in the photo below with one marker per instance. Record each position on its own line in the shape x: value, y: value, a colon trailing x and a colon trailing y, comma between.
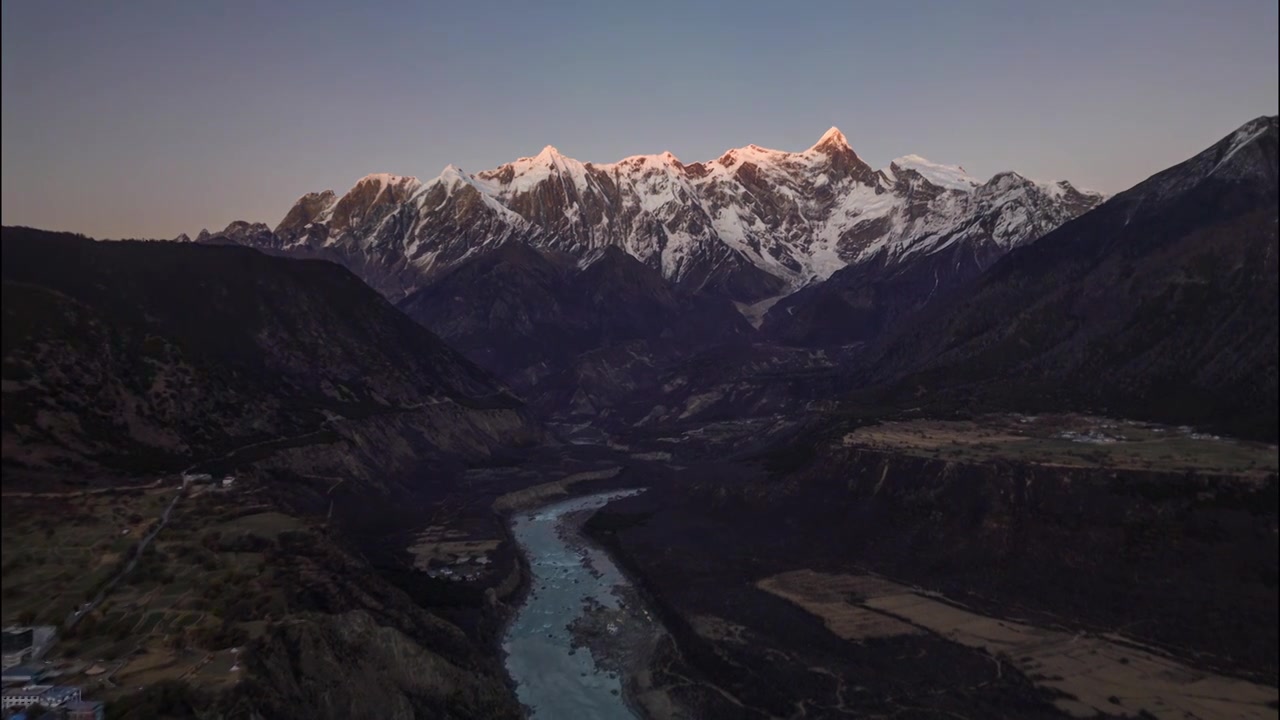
x: 752, y: 224
x: 951, y: 248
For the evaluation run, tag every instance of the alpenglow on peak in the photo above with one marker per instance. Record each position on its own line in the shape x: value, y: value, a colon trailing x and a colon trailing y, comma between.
x: 832, y: 137
x: 754, y: 223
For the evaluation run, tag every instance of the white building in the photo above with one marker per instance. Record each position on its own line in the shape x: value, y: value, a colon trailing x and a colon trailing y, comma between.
x: 50, y: 696
x: 22, y: 644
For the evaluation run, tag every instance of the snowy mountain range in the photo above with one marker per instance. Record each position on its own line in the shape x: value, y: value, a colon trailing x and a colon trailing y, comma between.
x: 751, y: 225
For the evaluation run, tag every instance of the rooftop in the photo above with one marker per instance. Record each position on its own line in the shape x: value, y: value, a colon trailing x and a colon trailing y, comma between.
x: 50, y: 691
x: 24, y: 671
x: 16, y: 640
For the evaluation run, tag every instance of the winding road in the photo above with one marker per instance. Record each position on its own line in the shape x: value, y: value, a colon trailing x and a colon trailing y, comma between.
x: 141, y: 547
x: 89, y: 607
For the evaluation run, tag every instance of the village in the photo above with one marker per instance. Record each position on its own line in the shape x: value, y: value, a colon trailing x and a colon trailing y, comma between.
x: 460, y: 569
x: 70, y: 671
x: 30, y: 692
x: 452, y: 555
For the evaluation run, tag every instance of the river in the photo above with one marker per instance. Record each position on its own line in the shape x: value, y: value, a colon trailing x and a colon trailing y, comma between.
x: 576, y: 591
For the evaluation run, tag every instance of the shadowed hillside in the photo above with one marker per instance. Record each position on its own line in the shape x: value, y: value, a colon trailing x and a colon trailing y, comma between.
x: 127, y: 357
x: 1161, y: 303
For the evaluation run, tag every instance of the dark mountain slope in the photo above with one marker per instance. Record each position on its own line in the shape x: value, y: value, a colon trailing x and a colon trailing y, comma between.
x: 332, y: 409
x: 506, y: 310
x: 1161, y: 303
x: 625, y: 297
x: 571, y: 339
x: 861, y: 303
x: 136, y: 356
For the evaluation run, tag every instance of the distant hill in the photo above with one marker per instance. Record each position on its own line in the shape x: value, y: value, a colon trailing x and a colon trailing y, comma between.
x: 127, y: 357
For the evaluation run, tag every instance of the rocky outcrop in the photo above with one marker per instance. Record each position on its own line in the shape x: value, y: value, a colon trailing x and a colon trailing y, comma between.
x: 344, y: 666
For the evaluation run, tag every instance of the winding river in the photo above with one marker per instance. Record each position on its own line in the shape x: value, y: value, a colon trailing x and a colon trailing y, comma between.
x: 569, y: 577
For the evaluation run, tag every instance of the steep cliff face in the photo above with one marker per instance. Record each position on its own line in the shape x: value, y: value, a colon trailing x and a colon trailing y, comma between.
x: 357, y: 646
x: 125, y: 357
x: 1177, y: 559
x: 1183, y: 562
x: 344, y: 666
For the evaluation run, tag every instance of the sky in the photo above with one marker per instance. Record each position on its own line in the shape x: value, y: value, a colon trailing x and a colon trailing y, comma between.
x: 149, y: 119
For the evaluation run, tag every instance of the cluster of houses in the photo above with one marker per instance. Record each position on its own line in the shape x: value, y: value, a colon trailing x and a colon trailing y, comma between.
x: 1095, y: 437
x: 60, y: 702
x: 225, y: 483
x: 466, y: 569
x: 26, y: 695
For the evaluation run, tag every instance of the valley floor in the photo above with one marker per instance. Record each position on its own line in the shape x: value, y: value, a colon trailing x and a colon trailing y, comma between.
x: 1093, y: 674
x: 1040, y: 567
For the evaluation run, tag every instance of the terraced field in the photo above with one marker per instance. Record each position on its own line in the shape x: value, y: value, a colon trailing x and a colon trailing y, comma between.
x: 1072, y: 441
x: 200, y: 590
x: 1093, y: 674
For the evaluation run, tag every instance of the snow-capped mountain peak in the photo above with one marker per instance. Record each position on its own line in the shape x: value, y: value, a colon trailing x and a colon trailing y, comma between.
x: 951, y: 177
x: 387, y: 180
x: 1246, y: 136
x: 548, y: 154
x: 452, y: 176
x: 831, y: 139
x: 662, y: 159
x: 1248, y: 153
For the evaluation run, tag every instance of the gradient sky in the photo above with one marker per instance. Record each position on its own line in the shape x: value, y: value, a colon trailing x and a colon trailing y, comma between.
x: 147, y: 119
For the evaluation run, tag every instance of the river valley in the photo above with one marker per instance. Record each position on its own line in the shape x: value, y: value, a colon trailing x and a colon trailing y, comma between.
x: 581, y: 626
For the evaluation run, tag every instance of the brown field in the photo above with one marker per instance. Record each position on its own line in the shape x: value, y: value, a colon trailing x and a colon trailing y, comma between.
x: 719, y: 629
x: 1070, y: 440
x: 832, y: 598
x: 267, y: 524
x: 1106, y: 674
x: 429, y: 549
x: 540, y: 494
x: 446, y: 541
